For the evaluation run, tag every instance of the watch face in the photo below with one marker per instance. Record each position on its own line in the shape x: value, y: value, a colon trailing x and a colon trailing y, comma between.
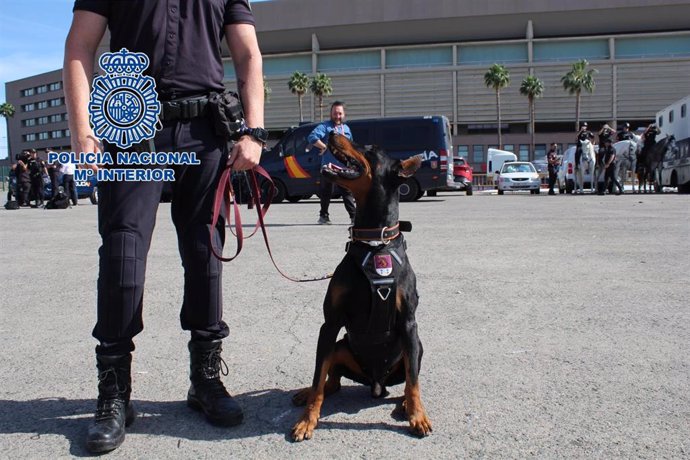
x: 260, y: 134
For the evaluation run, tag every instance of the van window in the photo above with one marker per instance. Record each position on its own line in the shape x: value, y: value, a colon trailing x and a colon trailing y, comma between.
x: 670, y: 116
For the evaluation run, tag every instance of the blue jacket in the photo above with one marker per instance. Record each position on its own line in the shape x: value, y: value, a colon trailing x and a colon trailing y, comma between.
x: 321, y: 132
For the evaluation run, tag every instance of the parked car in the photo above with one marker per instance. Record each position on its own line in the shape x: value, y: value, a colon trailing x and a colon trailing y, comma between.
x: 462, y: 174
x: 85, y: 189
x: 517, y: 176
x: 542, y: 167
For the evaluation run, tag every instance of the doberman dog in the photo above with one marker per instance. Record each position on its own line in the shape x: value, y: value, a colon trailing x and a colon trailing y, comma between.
x: 372, y: 293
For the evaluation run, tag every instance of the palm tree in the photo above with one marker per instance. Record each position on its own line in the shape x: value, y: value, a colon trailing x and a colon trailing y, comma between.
x: 267, y: 91
x: 577, y: 80
x: 299, y: 85
x: 7, y: 111
x: 497, y: 78
x: 321, y: 86
x: 532, y: 87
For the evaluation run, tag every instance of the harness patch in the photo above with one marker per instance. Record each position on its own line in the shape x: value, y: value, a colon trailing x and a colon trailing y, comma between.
x: 383, y: 264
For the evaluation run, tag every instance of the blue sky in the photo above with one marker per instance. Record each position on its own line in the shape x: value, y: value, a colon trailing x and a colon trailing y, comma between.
x: 32, y: 39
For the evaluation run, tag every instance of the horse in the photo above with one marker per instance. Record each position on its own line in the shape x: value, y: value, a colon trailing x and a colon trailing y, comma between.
x: 584, y: 161
x: 626, y: 160
x: 649, y: 161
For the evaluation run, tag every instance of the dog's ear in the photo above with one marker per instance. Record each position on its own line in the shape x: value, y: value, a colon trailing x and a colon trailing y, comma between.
x: 410, y: 166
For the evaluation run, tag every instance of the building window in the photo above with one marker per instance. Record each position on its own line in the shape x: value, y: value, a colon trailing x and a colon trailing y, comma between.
x: 42, y: 105
x: 29, y: 122
x: 42, y: 120
x: 43, y: 136
x: 56, y: 134
x: 647, y: 47
x: 523, y: 152
x: 489, y: 54
x: 477, y: 154
x: 670, y: 116
x: 464, y: 151
x: 571, y: 50
x: 67, y: 133
x: 539, y: 151
x: 281, y: 65
x: 349, y: 61
x: 28, y: 92
x: 56, y: 118
x: 55, y: 86
x: 509, y: 147
x: 29, y: 137
x: 42, y: 89
x: 29, y: 107
x: 56, y: 102
x: 419, y: 57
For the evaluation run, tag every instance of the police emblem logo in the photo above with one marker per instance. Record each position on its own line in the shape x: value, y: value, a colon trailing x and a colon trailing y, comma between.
x: 383, y: 263
x: 124, y: 107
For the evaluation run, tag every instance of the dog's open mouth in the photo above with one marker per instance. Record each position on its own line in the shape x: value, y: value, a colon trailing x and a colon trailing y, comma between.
x: 351, y: 170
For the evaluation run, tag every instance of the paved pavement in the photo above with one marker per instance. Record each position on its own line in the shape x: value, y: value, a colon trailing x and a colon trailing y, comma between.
x: 553, y: 326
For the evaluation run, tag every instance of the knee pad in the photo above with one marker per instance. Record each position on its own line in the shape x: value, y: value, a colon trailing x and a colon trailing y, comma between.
x: 123, y: 259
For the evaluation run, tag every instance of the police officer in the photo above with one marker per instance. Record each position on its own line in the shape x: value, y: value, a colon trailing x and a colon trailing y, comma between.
x: 552, y: 161
x: 53, y: 171
x: 37, y: 168
x: 23, y: 178
x: 605, y: 135
x: 584, y: 133
x: 608, y: 154
x: 649, y: 136
x: 624, y: 134
x: 183, y: 42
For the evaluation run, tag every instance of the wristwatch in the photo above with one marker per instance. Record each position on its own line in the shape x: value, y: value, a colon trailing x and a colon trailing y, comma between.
x: 259, y: 134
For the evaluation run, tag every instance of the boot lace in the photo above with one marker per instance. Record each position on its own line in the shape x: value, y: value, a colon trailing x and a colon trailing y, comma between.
x: 212, y: 365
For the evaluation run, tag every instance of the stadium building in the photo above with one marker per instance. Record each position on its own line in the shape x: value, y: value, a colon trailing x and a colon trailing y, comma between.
x: 401, y: 57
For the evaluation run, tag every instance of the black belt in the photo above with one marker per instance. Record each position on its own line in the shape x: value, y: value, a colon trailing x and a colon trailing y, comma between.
x: 184, y: 109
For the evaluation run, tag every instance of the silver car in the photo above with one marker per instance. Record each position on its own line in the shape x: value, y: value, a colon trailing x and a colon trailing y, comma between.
x: 517, y: 176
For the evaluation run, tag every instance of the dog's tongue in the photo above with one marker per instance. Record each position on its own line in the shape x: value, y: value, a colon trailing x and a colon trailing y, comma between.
x: 335, y: 167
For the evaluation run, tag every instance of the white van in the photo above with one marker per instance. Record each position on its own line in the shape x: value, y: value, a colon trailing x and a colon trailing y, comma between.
x: 494, y: 161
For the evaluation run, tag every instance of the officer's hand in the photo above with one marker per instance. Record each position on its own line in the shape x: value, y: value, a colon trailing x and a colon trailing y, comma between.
x: 87, y: 144
x: 245, y: 154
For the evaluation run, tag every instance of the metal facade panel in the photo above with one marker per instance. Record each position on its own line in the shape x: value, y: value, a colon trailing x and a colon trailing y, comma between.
x: 360, y: 93
x: 477, y: 102
x: 645, y: 88
x: 419, y: 93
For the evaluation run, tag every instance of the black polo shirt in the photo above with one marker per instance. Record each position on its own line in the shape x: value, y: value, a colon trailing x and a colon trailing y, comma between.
x: 182, y: 38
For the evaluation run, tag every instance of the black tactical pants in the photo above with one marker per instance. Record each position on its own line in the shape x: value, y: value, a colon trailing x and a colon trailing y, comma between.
x: 126, y: 218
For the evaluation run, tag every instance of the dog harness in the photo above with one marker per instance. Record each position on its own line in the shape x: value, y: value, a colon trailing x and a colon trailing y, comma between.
x: 377, y: 344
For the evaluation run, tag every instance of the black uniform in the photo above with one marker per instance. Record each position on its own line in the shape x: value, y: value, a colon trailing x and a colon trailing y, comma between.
x: 36, y: 169
x: 608, y: 154
x: 605, y: 135
x: 552, y: 161
x: 23, y: 181
x: 185, y: 62
x: 624, y: 135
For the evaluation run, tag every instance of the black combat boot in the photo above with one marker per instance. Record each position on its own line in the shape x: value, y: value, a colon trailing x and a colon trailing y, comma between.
x: 207, y: 393
x: 114, y: 410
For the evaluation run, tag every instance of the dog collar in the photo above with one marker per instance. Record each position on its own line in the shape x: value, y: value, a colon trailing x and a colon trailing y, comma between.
x: 382, y: 234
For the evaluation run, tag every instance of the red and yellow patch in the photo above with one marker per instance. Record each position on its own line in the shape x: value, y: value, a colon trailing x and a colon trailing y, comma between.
x: 294, y: 170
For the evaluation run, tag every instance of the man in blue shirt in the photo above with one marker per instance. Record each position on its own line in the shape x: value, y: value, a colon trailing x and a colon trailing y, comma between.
x: 319, y: 138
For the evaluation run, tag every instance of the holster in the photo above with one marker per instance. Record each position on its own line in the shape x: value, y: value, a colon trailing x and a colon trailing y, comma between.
x: 228, y: 116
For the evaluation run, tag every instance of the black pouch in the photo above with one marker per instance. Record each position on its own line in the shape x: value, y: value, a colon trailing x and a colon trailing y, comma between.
x: 228, y: 116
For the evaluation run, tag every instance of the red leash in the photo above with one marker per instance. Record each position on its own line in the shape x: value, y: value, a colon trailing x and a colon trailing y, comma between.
x: 225, y: 193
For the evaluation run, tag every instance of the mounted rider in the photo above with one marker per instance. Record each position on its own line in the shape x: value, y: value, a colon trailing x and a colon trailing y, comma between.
x: 649, y: 136
x: 605, y: 135
x: 582, y: 135
x: 624, y: 134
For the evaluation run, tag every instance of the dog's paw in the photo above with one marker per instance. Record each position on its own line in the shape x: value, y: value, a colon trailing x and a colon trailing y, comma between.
x: 300, y: 398
x: 303, y: 430
x: 420, y: 425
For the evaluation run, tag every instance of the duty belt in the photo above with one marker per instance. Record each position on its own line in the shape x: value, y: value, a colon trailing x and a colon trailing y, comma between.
x: 184, y: 109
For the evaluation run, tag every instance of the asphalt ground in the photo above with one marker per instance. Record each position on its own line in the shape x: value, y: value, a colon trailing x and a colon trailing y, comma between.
x: 553, y: 327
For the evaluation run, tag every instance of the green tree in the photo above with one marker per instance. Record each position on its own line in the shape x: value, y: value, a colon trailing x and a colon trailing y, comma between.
x: 320, y: 86
x: 497, y: 77
x: 577, y: 80
x: 7, y: 111
x: 267, y: 91
x: 532, y: 87
x: 299, y: 85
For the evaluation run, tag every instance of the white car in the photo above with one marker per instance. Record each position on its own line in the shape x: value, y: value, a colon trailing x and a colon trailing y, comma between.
x: 518, y: 175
